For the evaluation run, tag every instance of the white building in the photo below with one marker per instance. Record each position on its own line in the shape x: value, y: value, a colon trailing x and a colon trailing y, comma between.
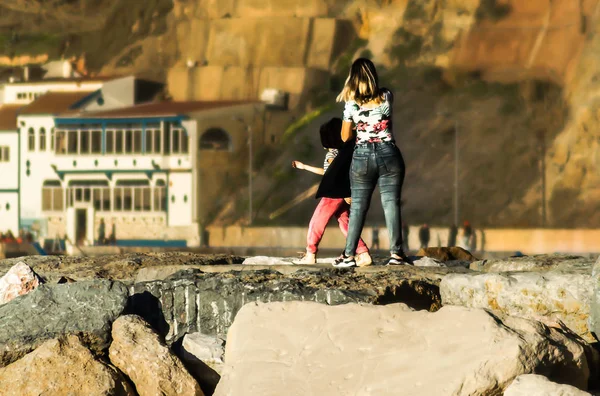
x: 74, y: 158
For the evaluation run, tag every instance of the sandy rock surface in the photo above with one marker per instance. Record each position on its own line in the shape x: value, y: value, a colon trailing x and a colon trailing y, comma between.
x: 62, y: 367
x: 538, y: 385
x: 299, y: 348
x: 138, y: 351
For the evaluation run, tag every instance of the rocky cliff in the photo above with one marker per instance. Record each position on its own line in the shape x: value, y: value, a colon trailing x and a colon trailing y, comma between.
x: 515, y: 80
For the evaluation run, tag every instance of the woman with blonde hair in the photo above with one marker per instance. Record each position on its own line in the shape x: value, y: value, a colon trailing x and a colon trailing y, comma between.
x: 376, y: 159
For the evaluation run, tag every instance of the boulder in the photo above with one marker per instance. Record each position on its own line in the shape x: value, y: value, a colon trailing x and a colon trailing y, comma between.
x: 19, y: 280
x: 298, y: 348
x: 428, y: 262
x: 549, y: 296
x: 87, y: 308
x: 447, y: 253
x: 203, y: 357
x: 542, y: 262
x: 138, y: 351
x: 194, y: 301
x: 538, y: 385
x: 60, y: 367
x: 208, y: 349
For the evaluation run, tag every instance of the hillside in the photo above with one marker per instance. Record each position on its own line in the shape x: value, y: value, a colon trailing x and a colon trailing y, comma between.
x: 513, y: 77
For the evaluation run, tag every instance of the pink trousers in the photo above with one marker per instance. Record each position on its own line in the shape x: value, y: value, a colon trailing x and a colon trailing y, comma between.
x: 326, y: 209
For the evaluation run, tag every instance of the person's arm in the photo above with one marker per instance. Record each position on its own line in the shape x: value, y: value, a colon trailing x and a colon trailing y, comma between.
x: 313, y: 169
x: 347, y: 131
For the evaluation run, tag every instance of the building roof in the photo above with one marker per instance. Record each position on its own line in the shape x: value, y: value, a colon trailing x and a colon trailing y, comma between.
x: 159, y: 109
x: 54, y: 102
x: 54, y: 80
x: 8, y: 117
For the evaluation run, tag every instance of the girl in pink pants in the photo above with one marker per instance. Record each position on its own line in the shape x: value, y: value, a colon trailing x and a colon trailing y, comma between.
x: 329, y: 207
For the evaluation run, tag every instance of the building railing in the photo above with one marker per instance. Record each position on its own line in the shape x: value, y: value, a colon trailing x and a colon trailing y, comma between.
x: 113, y: 199
x: 163, y: 139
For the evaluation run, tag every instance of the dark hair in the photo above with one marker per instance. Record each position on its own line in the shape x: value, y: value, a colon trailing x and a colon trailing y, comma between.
x: 331, y: 134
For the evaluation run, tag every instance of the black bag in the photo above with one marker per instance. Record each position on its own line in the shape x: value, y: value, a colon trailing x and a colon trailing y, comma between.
x: 336, y: 180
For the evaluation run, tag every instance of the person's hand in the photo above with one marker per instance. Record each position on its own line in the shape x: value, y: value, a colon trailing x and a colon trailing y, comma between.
x: 297, y: 165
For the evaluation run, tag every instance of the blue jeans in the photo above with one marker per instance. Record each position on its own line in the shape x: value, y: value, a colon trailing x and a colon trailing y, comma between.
x: 376, y: 164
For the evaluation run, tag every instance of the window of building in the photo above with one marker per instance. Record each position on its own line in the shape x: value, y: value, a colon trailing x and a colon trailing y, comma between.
x: 96, y: 137
x: 4, y: 153
x: 60, y: 146
x: 31, y: 139
x: 215, y: 139
x: 85, y: 146
x: 88, y: 191
x: 42, y: 139
x: 119, y: 137
x: 52, y: 139
x: 72, y: 142
x: 137, y: 141
x: 52, y: 196
x: 160, y: 196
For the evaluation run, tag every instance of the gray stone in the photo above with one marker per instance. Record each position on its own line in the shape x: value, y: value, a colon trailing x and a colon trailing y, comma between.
x: 428, y: 262
x: 551, y: 296
x: 203, y: 357
x: 193, y: 301
x: 538, y: 385
x: 122, y: 267
x: 543, y: 262
x: 87, y: 308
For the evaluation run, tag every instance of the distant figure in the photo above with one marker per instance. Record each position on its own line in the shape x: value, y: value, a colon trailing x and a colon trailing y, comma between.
x: 405, y: 231
x: 482, y: 249
x: 102, y: 233
x: 375, y: 238
x: 28, y: 237
x: 473, y: 242
x: 452, y: 234
x: 467, y: 233
x: 424, y: 236
x: 112, y: 239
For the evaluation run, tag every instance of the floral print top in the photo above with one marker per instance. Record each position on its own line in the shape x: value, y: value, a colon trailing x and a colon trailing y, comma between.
x: 372, y: 124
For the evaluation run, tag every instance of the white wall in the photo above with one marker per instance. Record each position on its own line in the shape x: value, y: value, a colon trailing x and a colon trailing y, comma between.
x: 11, y: 91
x: 8, y: 170
x: 180, y: 199
x: 9, y: 216
x: 39, y: 165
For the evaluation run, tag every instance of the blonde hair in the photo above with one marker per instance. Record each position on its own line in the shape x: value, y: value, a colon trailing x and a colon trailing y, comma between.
x: 362, y: 84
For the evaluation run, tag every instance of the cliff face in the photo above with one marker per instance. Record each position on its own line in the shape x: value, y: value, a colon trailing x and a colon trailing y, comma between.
x: 517, y: 80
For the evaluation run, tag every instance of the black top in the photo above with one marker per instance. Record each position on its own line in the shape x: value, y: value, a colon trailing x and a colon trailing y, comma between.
x: 336, y: 180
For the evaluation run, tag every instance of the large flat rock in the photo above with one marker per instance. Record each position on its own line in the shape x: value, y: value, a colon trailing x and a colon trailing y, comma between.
x: 300, y: 348
x: 194, y: 301
x: 50, y: 311
x: 122, y: 267
x: 560, y: 290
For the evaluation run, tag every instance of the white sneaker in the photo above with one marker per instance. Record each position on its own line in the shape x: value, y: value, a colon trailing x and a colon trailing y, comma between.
x: 363, y: 259
x: 307, y: 259
x: 344, y: 262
